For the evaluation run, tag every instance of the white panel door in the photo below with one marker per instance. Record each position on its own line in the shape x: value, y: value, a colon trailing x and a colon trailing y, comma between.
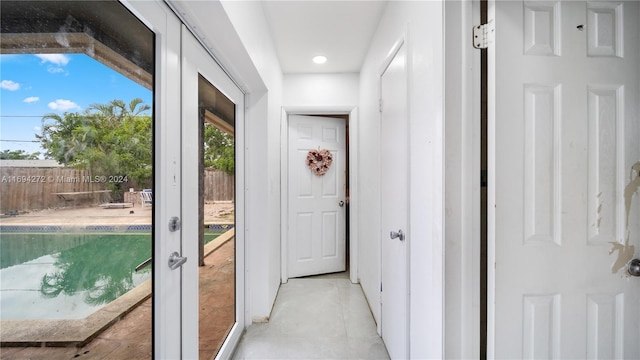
x: 564, y: 152
x: 394, y: 185
x: 317, y: 233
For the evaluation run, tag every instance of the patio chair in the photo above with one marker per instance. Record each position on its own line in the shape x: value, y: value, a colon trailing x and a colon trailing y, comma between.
x: 146, y: 198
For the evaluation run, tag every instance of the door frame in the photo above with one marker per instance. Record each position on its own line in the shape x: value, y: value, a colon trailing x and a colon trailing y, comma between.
x: 462, y: 335
x: 352, y: 112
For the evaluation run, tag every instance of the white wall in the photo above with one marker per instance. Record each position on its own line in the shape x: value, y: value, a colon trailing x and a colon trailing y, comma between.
x: 320, y: 90
x: 262, y: 157
x: 423, y: 21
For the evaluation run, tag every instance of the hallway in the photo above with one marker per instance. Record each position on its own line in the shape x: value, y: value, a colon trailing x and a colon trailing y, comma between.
x: 321, y: 317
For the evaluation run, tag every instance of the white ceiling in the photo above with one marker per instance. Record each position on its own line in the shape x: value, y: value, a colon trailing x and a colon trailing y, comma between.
x: 339, y: 30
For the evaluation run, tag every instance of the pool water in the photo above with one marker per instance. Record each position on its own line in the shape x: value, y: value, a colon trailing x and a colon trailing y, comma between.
x: 70, y: 275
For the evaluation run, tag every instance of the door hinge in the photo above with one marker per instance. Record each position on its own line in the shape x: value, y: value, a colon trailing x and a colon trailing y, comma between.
x: 483, y: 35
x: 380, y: 105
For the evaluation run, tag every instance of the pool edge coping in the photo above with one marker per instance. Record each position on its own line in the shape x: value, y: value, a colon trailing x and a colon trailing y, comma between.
x: 79, y: 332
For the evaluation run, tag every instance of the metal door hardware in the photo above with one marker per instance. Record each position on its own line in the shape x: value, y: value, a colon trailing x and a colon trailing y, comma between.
x: 633, y: 267
x: 175, y: 260
x: 397, y: 235
x: 341, y: 203
x: 174, y: 224
x: 144, y: 264
x: 483, y: 35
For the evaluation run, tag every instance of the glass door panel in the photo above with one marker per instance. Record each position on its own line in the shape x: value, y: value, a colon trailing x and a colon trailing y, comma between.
x: 213, y: 292
x: 217, y: 210
x: 77, y: 183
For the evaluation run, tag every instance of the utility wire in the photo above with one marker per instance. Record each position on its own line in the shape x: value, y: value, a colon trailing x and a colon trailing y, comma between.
x: 10, y: 140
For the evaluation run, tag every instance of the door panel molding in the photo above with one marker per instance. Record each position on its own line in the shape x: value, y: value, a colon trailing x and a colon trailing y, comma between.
x: 561, y: 130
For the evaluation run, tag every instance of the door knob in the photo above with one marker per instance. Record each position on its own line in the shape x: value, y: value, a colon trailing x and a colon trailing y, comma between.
x: 175, y: 260
x: 341, y: 203
x: 397, y: 235
x: 633, y: 267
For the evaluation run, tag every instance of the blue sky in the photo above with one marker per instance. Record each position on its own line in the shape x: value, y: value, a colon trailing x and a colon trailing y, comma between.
x: 34, y: 85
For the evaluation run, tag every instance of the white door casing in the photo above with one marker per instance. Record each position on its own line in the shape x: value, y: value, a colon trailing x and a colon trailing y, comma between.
x: 394, y: 185
x: 317, y: 204
x: 197, y: 62
x: 564, y: 155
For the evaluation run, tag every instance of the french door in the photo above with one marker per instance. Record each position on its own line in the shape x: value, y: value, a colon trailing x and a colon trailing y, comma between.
x: 167, y: 177
x: 211, y: 102
x: 187, y: 76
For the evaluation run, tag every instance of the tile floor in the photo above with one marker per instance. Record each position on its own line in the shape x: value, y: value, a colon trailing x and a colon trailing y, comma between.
x: 323, y: 317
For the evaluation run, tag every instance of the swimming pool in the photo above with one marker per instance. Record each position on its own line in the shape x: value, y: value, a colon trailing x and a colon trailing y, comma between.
x: 46, y: 276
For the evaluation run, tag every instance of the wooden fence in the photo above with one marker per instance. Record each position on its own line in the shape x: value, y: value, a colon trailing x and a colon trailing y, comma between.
x: 35, y: 188
x: 28, y: 189
x: 218, y: 186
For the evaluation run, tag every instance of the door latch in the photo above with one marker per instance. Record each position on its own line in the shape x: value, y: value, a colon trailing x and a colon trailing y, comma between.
x: 175, y: 260
x: 174, y: 224
x: 397, y: 235
x: 633, y: 267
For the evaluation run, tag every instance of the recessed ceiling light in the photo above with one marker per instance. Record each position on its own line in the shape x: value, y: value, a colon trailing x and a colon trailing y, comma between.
x: 319, y: 59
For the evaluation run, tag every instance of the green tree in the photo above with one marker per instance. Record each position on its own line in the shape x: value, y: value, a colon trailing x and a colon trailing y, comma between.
x: 18, y: 155
x: 219, y: 152
x: 113, y: 139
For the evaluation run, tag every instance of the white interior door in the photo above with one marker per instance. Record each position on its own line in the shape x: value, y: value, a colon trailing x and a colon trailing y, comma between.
x: 317, y: 233
x: 198, y: 64
x: 394, y: 185
x: 564, y: 209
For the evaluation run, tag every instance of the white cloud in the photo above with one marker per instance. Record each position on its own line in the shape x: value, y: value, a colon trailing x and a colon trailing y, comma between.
x: 37, y: 129
x: 55, y: 70
x: 63, y: 105
x: 9, y: 85
x: 31, y: 99
x: 56, y: 59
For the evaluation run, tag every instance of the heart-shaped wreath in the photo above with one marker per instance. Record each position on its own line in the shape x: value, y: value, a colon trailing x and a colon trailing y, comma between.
x: 319, y: 161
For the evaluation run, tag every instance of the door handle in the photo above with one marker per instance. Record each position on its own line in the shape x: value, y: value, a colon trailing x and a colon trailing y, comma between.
x: 633, y: 267
x: 175, y: 260
x: 341, y: 203
x: 397, y: 235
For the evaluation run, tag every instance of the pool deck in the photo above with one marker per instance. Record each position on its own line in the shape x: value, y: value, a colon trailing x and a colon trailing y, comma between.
x: 214, y: 213
x: 124, y: 325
